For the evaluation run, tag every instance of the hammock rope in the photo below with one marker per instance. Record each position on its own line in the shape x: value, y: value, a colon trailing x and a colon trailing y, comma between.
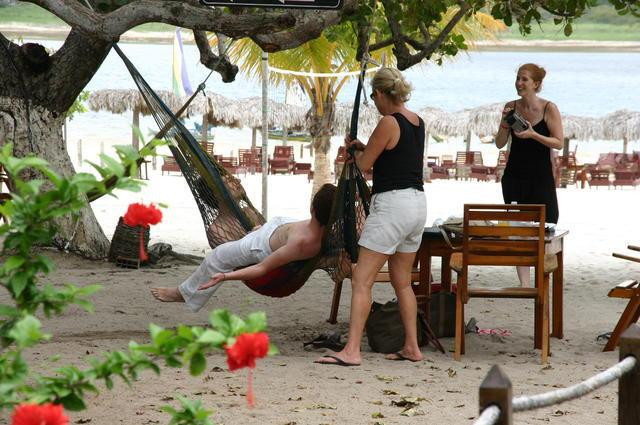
x: 228, y: 214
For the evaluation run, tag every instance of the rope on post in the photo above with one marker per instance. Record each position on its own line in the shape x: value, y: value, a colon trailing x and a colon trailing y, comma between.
x: 524, y: 403
x: 489, y: 416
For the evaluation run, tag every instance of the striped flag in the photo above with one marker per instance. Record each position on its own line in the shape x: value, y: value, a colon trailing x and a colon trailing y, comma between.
x: 181, y: 85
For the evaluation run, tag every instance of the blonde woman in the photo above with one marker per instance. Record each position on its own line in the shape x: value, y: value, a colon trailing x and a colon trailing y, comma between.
x: 393, y: 231
x: 528, y: 177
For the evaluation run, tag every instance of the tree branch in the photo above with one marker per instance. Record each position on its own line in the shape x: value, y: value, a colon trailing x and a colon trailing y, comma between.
x: 308, y: 25
x: 220, y: 64
x: 407, y: 60
x: 178, y: 13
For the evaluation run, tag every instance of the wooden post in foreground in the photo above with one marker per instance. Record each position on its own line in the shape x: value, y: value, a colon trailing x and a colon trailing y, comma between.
x: 629, y: 385
x: 496, y: 390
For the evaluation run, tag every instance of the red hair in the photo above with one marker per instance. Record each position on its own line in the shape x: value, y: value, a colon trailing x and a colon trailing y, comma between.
x: 536, y: 72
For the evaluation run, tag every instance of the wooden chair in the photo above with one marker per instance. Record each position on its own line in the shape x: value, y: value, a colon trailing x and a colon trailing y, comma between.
x: 600, y: 178
x: 251, y: 159
x: 629, y: 289
x: 518, y: 244
x: 503, y: 157
x: 479, y: 171
x: 626, y: 177
x: 170, y: 165
x: 302, y: 168
x: 448, y: 162
x: 463, y: 164
x: 338, y: 163
x: 231, y: 164
x: 207, y: 147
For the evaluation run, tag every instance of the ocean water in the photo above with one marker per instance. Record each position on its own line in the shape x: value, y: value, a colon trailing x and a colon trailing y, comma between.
x: 581, y: 83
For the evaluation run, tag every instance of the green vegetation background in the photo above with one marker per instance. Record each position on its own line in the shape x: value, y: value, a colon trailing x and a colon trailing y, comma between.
x: 601, y: 23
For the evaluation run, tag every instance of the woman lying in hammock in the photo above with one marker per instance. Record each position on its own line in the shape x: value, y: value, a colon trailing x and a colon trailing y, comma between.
x: 277, y: 242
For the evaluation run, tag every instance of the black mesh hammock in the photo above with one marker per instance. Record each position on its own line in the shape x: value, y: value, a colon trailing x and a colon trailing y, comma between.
x: 228, y: 214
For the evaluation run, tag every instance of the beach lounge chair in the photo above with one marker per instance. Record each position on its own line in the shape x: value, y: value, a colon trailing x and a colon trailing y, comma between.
x: 479, y: 171
x: 485, y: 244
x: 283, y: 160
x: 629, y: 289
x: 302, y: 168
x: 230, y: 163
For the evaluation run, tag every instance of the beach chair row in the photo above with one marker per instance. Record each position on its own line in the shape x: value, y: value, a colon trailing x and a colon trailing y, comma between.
x: 468, y: 165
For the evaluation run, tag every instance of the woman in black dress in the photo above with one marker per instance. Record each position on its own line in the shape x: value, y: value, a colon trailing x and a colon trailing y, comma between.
x: 528, y: 177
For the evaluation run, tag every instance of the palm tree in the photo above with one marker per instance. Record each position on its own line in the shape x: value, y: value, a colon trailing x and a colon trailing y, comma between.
x: 323, y: 55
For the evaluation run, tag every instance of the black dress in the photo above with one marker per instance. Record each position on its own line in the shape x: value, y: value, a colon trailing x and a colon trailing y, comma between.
x: 528, y: 176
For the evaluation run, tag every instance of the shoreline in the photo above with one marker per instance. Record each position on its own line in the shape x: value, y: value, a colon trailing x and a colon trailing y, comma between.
x: 166, y: 37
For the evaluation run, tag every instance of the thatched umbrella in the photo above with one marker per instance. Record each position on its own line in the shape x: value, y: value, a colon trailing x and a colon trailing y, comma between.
x: 216, y: 110
x: 122, y: 100
x: 279, y: 114
x: 443, y: 123
x: 368, y: 118
x: 582, y: 128
x: 622, y: 124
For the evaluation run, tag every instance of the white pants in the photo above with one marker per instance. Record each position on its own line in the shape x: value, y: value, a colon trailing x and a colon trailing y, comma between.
x: 227, y: 257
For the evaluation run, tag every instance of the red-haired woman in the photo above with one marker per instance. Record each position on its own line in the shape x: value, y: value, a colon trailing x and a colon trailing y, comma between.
x: 528, y: 177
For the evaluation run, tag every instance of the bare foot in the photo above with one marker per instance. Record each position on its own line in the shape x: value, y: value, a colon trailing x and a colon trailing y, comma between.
x: 167, y: 295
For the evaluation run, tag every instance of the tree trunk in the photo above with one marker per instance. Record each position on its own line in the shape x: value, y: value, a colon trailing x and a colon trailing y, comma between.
x: 84, y: 235
x: 322, y: 169
x: 320, y: 128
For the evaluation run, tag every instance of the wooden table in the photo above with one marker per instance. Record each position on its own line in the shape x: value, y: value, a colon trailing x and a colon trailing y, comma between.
x: 434, y: 245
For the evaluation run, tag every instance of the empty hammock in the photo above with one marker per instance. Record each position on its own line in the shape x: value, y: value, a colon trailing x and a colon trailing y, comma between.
x: 228, y: 214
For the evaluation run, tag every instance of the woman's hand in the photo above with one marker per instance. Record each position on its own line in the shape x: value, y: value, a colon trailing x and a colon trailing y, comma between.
x: 217, y: 278
x: 506, y: 111
x: 526, y: 134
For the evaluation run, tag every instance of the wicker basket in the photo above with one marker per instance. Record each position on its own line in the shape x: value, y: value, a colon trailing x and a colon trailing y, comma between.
x: 126, y: 241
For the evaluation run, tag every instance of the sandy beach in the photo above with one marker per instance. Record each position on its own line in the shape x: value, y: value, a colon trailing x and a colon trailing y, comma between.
x: 290, y: 388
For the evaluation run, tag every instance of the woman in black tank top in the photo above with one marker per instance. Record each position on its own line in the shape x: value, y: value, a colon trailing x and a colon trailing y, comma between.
x: 393, y: 230
x: 528, y: 177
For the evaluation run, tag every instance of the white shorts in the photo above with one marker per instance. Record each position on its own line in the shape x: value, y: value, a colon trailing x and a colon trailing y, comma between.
x: 396, y: 221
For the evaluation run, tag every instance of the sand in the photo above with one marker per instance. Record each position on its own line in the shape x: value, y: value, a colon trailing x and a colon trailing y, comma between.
x: 290, y: 388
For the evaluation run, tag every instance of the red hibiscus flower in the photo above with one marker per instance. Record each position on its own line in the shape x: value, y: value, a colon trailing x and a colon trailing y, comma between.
x: 143, y: 216
x: 34, y: 414
x: 245, y: 351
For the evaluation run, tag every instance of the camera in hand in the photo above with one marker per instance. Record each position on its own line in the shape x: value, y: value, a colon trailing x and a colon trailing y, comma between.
x: 516, y: 121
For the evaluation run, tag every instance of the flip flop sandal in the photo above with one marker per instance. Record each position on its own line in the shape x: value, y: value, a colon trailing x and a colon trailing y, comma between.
x: 337, y: 361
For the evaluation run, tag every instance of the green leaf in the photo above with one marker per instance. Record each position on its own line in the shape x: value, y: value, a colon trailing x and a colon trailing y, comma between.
x: 197, y: 364
x: 568, y: 29
x: 256, y: 322
x: 26, y: 332
x: 72, y: 402
x: 212, y: 337
x: 13, y: 262
x: 114, y: 166
x: 18, y: 283
x: 9, y: 311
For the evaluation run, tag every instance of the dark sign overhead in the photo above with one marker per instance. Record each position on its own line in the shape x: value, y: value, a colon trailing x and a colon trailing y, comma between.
x: 308, y: 4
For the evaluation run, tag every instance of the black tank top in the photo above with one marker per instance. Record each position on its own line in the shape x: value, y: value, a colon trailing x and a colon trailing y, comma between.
x: 401, y: 167
x: 529, y: 158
